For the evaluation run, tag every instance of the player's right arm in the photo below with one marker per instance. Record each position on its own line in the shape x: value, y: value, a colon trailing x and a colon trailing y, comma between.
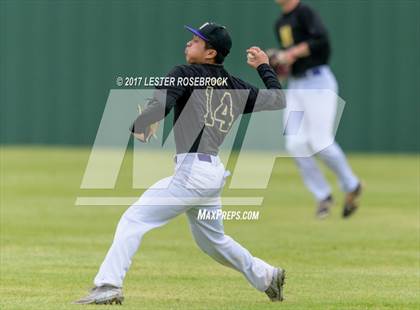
x: 317, y: 32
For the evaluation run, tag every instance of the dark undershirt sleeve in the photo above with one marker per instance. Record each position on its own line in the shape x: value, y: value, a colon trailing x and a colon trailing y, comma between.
x: 268, y: 76
x: 271, y: 98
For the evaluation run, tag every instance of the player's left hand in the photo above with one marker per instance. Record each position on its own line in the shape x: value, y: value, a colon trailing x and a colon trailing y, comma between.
x: 149, y: 133
x: 256, y: 57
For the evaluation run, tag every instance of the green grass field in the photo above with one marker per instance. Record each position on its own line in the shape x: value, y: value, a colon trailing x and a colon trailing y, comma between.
x: 51, y: 249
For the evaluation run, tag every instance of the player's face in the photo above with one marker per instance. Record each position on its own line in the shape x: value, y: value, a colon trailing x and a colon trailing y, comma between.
x: 196, y: 52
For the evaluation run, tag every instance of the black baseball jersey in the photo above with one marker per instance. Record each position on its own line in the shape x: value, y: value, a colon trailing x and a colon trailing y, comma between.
x: 207, y: 100
x: 303, y: 24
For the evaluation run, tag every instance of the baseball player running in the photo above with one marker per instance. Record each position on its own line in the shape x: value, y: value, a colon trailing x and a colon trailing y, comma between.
x: 202, y: 119
x: 304, y: 55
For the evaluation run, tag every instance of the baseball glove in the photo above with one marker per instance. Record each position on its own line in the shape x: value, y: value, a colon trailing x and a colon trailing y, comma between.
x: 278, y: 62
x: 149, y: 133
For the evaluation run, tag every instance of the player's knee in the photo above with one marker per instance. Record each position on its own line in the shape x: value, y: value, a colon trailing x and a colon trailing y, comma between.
x: 211, y: 244
x: 220, y: 243
x: 296, y: 147
x: 204, y: 245
x: 129, y: 216
x: 136, y: 214
x: 320, y: 142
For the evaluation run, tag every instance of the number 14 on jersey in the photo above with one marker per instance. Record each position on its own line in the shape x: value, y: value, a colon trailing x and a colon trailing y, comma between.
x: 222, y: 116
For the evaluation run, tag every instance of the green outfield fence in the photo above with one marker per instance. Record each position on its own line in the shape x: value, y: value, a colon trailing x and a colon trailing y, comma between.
x: 59, y: 59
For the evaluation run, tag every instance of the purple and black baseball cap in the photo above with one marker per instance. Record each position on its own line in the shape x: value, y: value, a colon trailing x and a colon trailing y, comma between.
x: 216, y: 35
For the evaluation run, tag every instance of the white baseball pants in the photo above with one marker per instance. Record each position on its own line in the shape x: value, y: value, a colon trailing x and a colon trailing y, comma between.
x: 195, y: 185
x: 316, y: 131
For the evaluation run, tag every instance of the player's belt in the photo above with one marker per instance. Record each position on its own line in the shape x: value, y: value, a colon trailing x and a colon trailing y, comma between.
x: 309, y: 72
x: 201, y: 157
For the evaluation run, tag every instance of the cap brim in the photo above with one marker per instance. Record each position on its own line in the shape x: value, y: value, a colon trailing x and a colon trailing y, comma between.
x: 196, y: 32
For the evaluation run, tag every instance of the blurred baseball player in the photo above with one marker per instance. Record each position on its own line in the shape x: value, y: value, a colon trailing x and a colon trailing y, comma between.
x: 202, y: 118
x: 304, y: 56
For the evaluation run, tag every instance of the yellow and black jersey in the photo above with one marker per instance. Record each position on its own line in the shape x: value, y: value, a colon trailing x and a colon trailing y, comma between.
x: 303, y: 24
x: 203, y: 115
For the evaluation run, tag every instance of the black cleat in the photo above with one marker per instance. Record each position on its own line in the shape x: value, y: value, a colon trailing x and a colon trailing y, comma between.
x: 351, y: 203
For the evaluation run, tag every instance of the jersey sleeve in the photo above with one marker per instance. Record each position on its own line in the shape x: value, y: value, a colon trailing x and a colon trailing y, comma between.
x: 318, y: 35
x: 271, y: 98
x: 176, y: 91
x: 164, y: 99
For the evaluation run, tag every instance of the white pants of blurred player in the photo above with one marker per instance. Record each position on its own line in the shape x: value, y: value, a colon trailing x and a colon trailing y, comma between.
x: 195, y: 185
x: 315, y: 94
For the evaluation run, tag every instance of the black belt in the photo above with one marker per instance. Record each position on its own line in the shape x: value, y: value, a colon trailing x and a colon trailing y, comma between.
x: 201, y: 157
